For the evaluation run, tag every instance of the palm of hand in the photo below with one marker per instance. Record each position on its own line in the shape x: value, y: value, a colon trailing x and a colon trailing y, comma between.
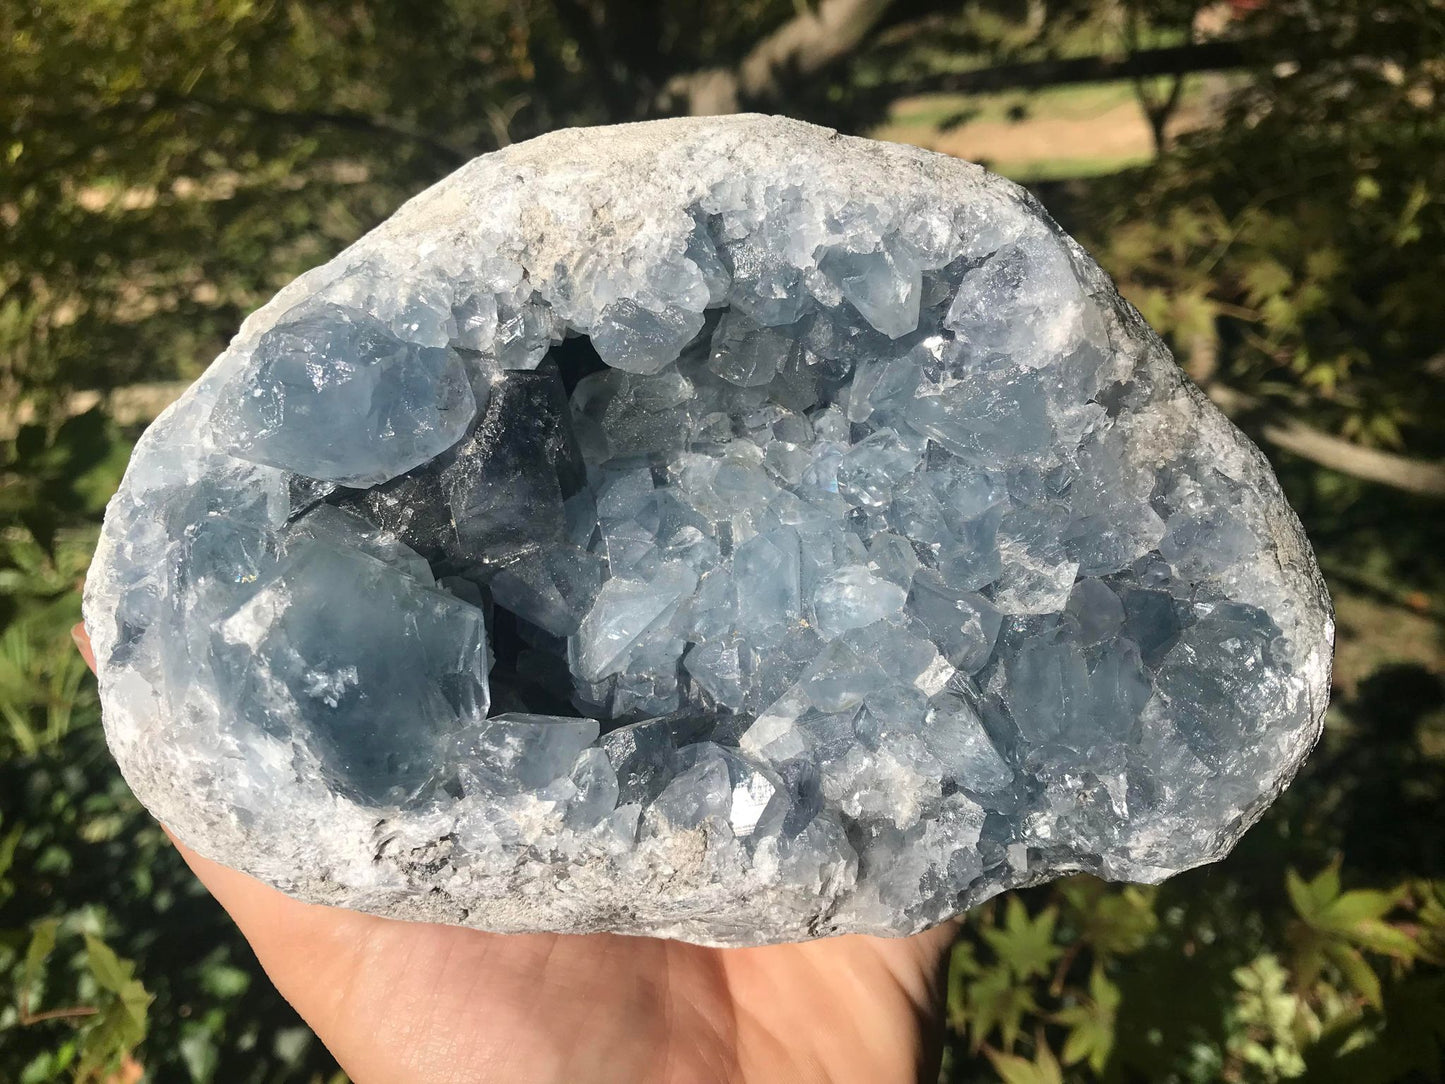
x: 405, y: 1003
x: 401, y: 1002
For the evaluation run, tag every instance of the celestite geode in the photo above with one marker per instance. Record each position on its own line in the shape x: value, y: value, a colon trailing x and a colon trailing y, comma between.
x: 718, y: 529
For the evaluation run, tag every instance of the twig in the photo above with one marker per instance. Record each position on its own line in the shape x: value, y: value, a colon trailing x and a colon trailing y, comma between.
x: 28, y: 1018
x: 805, y: 44
x: 1066, y: 961
x: 76, y: 1012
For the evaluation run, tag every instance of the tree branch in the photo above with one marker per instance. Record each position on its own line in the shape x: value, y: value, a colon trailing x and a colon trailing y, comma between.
x: 1423, y: 476
x: 26, y: 1018
x: 322, y: 118
x: 30, y: 1019
x: 1169, y: 60
x: 303, y: 120
x: 804, y: 45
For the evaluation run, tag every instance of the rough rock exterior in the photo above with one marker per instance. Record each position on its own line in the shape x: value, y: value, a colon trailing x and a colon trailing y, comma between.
x: 718, y: 529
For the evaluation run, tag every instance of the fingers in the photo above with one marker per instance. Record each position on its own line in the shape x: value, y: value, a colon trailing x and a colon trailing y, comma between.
x: 82, y: 641
x: 401, y: 1002
x: 318, y: 957
x: 368, y: 986
x: 298, y: 944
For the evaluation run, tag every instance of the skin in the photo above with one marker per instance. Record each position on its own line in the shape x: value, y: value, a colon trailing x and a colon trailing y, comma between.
x: 401, y: 1003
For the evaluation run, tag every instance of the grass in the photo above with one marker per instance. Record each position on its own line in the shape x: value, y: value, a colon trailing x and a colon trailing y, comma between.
x: 937, y: 111
x: 1046, y: 134
x: 1033, y: 170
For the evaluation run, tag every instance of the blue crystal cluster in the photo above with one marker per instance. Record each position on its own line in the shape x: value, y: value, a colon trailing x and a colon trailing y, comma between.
x: 837, y: 546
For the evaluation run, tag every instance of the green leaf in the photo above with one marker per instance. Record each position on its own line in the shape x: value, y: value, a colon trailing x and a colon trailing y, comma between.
x: 1113, y: 921
x: 1091, y: 1024
x: 1026, y: 945
x: 1312, y: 899
x: 1104, y: 992
x: 8, y: 843
x: 997, y: 1000
x: 1266, y: 279
x: 1264, y: 998
x: 113, y: 1035
x: 48, y: 1066
x: 1345, y: 911
x: 1357, y: 972
x: 1355, y: 916
x: 42, y: 944
x: 108, y: 970
x: 121, y: 1024
x: 1012, y: 1069
x: 962, y: 965
x: 1308, y: 952
x: 1367, y: 189
x: 1382, y: 937
x: 198, y: 1051
x: 1300, y: 896
x: 225, y: 982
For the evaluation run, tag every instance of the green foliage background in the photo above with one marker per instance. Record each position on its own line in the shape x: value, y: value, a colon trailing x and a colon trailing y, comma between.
x: 167, y: 164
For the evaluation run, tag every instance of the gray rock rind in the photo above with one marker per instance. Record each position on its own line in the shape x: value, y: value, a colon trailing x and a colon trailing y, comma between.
x: 1158, y: 671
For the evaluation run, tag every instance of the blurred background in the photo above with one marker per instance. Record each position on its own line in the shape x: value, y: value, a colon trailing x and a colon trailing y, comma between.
x: 1265, y: 180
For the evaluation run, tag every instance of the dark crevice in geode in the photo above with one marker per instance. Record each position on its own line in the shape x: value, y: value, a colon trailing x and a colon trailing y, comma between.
x: 576, y: 358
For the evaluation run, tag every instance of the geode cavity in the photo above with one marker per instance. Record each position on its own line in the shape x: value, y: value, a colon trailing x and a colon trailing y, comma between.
x: 718, y: 529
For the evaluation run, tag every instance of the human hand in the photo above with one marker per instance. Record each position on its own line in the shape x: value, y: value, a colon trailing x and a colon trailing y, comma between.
x: 408, y: 1003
